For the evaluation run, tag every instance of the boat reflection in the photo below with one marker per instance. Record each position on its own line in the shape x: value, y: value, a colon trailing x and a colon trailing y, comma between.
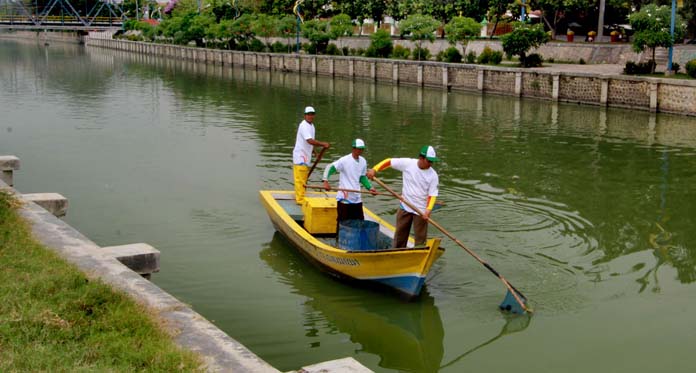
x: 407, y: 336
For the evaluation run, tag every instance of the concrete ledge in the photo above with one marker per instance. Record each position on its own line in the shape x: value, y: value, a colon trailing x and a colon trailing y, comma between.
x: 55, y: 203
x: 345, y: 365
x: 141, y: 258
x: 189, y: 329
x: 8, y: 164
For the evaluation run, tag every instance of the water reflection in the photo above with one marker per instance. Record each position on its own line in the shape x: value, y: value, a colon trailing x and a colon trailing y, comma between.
x: 406, y: 336
x: 513, y: 324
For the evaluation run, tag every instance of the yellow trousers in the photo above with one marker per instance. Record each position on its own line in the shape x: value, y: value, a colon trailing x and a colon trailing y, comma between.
x: 300, y: 173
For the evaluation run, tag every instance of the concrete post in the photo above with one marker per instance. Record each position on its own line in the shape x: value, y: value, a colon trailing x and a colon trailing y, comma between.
x: 256, y: 61
x: 604, y: 92
x: 54, y: 203
x: 420, y: 75
x: 445, y: 77
x: 555, y: 87
x: 518, y: 83
x: 331, y: 66
x: 653, y: 97
x: 479, y: 80
x: 8, y: 164
x: 373, y: 70
x: 395, y: 73
x: 314, y: 65
x: 351, y: 68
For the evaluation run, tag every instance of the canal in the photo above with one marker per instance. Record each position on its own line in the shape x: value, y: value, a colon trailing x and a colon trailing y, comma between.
x: 590, y: 212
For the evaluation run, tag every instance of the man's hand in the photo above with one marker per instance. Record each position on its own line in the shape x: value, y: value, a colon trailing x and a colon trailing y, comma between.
x: 326, y: 185
x: 326, y: 145
x: 371, y: 174
x: 373, y: 191
x: 426, y: 214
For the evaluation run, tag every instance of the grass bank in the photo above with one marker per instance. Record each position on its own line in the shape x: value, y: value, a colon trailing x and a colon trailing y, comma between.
x: 53, y: 318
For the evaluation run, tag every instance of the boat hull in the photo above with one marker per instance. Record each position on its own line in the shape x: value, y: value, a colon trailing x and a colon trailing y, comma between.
x: 403, y: 270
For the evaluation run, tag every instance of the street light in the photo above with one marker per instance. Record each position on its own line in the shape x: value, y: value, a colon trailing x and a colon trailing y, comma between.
x: 671, y: 33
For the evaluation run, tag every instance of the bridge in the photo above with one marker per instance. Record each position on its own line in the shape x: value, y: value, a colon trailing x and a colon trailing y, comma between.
x: 61, y: 15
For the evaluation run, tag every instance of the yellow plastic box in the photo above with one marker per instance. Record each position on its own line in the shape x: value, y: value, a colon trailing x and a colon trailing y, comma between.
x: 320, y: 215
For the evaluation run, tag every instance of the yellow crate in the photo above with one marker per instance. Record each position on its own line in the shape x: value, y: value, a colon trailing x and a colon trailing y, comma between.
x: 320, y: 215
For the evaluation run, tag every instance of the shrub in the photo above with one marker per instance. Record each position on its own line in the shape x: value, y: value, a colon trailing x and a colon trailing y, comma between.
x: 256, y: 45
x: 675, y: 67
x: 310, y: 48
x: 401, y: 52
x: 489, y: 56
x: 380, y: 44
x: 533, y: 60
x: 333, y: 50
x: 582, y: 61
x: 450, y: 54
x: 471, y: 57
x: 633, y: 68
x: 421, y: 54
x: 279, y: 47
x: 359, y: 52
x: 551, y: 60
x: 346, y: 51
x: 352, y: 52
x: 691, y: 68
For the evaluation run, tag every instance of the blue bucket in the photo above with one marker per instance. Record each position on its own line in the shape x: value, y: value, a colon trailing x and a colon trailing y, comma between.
x: 356, y: 235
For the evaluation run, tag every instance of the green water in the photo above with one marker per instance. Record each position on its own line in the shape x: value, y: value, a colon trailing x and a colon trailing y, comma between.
x: 589, y: 212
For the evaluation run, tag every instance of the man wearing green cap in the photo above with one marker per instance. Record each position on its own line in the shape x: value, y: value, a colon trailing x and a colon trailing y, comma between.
x: 353, y: 173
x: 302, y: 153
x: 420, y: 188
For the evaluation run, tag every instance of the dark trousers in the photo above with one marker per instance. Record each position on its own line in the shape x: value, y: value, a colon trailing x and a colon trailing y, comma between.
x: 347, y: 211
x: 404, y: 220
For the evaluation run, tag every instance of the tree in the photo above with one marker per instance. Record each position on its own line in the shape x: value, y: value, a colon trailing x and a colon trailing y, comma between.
x: 688, y: 12
x: 553, y: 11
x: 420, y: 28
x: 496, y: 10
x: 652, y: 29
x: 340, y: 26
x: 317, y: 31
x: 264, y: 26
x: 287, y: 27
x: 460, y: 29
x: 523, y: 38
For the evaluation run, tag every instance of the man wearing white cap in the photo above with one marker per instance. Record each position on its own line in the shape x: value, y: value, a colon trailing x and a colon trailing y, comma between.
x: 420, y: 188
x: 302, y: 153
x: 353, y: 173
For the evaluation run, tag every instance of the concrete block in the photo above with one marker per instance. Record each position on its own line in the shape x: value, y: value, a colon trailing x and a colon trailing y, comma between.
x: 345, y: 365
x: 54, y: 203
x: 141, y: 258
x: 8, y: 164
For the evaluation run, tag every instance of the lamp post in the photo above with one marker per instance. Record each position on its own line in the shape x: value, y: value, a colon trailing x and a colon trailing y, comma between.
x: 522, y: 12
x: 671, y: 33
x: 137, y: 11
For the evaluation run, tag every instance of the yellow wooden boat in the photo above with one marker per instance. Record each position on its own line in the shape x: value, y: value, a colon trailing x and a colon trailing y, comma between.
x: 311, y: 228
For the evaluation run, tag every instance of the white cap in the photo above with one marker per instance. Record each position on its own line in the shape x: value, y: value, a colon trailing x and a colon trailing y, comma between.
x: 309, y: 110
x: 359, y: 144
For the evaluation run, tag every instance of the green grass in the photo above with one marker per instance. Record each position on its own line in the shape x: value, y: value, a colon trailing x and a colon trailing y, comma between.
x: 52, y: 318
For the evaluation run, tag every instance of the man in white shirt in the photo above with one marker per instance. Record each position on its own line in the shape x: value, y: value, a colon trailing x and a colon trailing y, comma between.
x: 420, y: 188
x: 352, y: 169
x: 302, y: 153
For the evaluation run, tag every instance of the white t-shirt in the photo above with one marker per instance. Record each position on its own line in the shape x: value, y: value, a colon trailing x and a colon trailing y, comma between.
x: 350, y: 170
x: 418, y: 184
x: 302, y: 153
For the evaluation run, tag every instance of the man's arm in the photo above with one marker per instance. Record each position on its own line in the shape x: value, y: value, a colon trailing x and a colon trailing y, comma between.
x: 328, y: 171
x: 379, y: 167
x: 318, y: 143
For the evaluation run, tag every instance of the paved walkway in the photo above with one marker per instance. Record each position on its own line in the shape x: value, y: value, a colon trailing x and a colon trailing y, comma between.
x: 608, y: 69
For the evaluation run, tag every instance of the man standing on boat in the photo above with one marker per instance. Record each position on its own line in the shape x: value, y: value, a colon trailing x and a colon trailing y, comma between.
x: 420, y: 188
x: 302, y: 153
x: 353, y: 173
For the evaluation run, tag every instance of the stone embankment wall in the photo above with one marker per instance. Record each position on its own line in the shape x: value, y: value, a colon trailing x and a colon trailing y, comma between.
x: 654, y: 94
x: 43, y: 36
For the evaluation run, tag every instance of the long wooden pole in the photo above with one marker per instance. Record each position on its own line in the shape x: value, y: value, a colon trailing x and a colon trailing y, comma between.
x: 347, y: 190
x: 515, y: 293
x: 321, y: 154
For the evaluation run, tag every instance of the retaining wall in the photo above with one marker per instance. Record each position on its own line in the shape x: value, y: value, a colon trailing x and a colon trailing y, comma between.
x: 654, y: 94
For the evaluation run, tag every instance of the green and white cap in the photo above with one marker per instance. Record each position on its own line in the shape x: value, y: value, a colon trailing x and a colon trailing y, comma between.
x: 429, y: 153
x: 358, y: 144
